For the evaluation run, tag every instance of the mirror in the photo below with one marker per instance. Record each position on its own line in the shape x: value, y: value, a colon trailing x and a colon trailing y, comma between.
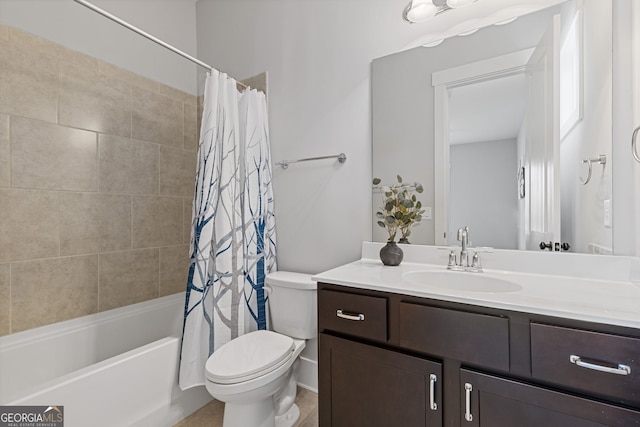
x: 460, y: 118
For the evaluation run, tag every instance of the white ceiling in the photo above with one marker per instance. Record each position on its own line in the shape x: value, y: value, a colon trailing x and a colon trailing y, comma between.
x: 487, y: 111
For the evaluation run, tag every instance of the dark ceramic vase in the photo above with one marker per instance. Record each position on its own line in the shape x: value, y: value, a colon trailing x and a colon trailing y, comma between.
x: 404, y: 241
x: 391, y: 254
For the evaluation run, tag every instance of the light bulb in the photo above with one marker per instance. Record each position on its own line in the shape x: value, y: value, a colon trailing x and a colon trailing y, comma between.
x: 421, y: 10
x: 454, y: 4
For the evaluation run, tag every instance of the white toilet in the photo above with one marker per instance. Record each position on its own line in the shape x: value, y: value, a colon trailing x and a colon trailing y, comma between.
x: 254, y: 374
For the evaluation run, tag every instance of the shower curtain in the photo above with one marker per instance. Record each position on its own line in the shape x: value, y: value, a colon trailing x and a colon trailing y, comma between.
x: 233, y: 227
x: 258, y: 218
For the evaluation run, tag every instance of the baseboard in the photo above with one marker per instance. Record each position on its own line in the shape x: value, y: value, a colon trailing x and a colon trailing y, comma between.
x: 187, y: 403
x: 308, y: 374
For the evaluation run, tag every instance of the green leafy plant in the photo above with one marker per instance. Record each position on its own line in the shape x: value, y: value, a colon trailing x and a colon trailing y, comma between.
x: 400, y: 209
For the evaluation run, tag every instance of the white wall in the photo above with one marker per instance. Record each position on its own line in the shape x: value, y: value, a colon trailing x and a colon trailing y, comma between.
x: 318, y: 55
x: 582, y: 205
x: 68, y: 23
x: 483, y: 193
x: 626, y: 115
x: 629, y: 117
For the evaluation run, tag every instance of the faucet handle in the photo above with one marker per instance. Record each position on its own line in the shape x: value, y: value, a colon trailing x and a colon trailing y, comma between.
x: 475, y: 261
x: 452, y: 259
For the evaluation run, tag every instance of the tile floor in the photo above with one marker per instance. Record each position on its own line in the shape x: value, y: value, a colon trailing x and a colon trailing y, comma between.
x: 210, y: 415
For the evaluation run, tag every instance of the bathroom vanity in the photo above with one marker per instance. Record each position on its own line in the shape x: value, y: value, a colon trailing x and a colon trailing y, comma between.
x: 397, y: 350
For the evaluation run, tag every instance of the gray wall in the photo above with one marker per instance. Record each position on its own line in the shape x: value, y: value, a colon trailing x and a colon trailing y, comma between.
x: 484, y: 193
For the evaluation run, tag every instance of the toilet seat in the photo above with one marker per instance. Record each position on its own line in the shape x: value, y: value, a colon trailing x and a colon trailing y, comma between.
x: 249, y: 356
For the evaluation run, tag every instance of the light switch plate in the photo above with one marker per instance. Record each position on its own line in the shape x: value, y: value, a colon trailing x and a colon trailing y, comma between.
x: 427, y: 212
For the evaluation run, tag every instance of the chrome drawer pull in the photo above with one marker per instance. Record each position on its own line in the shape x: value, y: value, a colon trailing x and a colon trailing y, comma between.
x: 620, y: 370
x: 467, y: 402
x: 432, y: 386
x: 356, y: 317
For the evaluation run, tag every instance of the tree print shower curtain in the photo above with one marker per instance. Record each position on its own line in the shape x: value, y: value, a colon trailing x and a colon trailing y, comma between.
x: 233, y: 226
x: 258, y: 218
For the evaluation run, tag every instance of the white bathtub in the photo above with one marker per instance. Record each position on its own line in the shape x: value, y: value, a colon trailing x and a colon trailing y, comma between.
x: 116, y: 368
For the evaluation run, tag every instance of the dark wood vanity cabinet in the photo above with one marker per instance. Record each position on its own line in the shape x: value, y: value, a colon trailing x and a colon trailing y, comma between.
x: 394, y: 360
x: 502, y: 402
x: 371, y: 386
x: 365, y: 384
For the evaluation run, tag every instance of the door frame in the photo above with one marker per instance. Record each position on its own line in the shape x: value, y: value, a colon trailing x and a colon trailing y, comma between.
x: 442, y: 81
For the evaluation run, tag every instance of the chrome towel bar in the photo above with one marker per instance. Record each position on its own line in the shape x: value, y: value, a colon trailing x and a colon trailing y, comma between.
x: 285, y: 163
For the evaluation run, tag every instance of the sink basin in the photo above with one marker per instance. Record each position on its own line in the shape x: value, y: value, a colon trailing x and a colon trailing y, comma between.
x: 461, y: 281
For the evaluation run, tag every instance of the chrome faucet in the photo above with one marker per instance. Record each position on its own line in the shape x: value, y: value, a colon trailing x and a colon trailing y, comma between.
x: 461, y: 263
x: 463, y: 238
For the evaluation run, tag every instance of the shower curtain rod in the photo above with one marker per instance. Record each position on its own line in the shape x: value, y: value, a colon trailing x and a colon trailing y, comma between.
x: 147, y: 35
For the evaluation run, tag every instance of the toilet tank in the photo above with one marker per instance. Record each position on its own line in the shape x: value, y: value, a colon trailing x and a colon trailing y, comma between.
x: 292, y: 304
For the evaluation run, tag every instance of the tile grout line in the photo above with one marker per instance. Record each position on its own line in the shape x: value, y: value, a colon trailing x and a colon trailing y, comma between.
x: 98, y: 192
x: 10, y: 143
x: 10, y: 300
x: 8, y: 123
x: 159, y: 270
x: 9, y: 138
x: 99, y: 268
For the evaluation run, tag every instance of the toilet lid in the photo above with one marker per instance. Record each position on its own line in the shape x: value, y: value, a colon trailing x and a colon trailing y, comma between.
x: 249, y: 356
x: 288, y: 279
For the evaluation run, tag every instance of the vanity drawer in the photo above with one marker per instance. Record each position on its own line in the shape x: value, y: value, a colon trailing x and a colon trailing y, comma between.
x: 359, y: 315
x: 585, y: 360
x: 475, y: 338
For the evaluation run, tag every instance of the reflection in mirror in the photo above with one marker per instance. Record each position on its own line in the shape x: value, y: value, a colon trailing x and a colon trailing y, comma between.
x: 483, y: 155
x: 472, y: 139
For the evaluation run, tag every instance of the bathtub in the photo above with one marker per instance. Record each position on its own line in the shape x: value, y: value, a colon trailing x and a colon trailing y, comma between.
x: 116, y: 368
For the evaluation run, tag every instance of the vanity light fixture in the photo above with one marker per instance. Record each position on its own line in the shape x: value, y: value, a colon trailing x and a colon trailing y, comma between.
x: 423, y: 10
x: 433, y: 43
x: 419, y: 11
x: 468, y: 33
x: 454, y: 4
x: 506, y: 21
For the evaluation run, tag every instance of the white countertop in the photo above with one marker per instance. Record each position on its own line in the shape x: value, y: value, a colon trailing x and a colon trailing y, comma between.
x: 614, y: 300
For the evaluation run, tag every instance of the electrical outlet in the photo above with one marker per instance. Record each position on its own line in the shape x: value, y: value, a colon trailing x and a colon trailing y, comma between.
x: 427, y: 212
x: 607, y: 213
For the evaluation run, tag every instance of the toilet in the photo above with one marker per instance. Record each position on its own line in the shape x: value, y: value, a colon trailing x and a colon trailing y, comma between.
x: 255, y: 374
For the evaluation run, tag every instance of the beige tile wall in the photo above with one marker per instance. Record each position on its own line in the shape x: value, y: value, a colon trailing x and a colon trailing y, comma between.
x: 97, y: 169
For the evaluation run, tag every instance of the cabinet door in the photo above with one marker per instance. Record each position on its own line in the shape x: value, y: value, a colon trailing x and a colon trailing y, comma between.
x: 366, y: 386
x: 489, y: 401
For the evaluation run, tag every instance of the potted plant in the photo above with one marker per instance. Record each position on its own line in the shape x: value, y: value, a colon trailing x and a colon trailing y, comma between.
x: 400, y: 211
